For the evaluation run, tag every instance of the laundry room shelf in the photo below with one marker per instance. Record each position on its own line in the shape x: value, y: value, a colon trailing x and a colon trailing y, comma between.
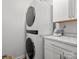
x: 67, y: 20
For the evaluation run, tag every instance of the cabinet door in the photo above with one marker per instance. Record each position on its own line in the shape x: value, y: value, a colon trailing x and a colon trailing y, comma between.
x: 72, y: 9
x: 48, y: 54
x: 60, y: 10
x: 48, y: 1
x: 51, y: 54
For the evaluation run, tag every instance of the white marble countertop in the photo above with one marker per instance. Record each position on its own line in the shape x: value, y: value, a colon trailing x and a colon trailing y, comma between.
x: 64, y: 39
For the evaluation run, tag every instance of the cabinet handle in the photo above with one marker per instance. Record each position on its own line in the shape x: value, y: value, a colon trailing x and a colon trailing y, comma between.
x: 64, y: 57
x: 60, y: 56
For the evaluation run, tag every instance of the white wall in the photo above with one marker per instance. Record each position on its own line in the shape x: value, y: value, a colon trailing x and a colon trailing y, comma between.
x: 13, y: 26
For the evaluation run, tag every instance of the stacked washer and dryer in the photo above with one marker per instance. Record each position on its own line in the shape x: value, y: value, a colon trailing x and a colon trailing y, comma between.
x: 38, y: 23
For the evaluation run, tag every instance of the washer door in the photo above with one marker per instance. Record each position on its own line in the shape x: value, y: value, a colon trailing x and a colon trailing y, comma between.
x: 30, y: 48
x: 30, y: 16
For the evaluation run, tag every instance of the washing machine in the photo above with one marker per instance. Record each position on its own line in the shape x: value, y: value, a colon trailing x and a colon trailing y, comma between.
x: 34, y: 47
x: 38, y: 23
x: 39, y: 18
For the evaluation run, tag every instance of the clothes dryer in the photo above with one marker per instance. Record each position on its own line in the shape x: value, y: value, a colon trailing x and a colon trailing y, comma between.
x: 38, y: 18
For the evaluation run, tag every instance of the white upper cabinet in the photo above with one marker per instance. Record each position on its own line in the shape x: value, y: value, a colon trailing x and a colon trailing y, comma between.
x: 60, y: 10
x: 64, y: 10
x: 72, y: 9
x: 49, y: 1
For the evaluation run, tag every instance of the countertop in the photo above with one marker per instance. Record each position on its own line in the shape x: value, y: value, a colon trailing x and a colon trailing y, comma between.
x: 64, y: 39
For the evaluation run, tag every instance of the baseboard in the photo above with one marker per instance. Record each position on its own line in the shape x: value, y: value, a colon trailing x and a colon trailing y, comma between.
x: 20, y: 57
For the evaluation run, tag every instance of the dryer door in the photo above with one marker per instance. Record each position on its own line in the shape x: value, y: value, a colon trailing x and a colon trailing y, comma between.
x: 30, y: 16
x: 30, y: 48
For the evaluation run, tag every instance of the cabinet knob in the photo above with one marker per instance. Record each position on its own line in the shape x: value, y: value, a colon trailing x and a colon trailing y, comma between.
x: 62, y: 56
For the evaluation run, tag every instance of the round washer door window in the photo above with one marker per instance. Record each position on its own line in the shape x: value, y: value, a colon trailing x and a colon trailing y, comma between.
x: 30, y: 16
x: 30, y: 48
